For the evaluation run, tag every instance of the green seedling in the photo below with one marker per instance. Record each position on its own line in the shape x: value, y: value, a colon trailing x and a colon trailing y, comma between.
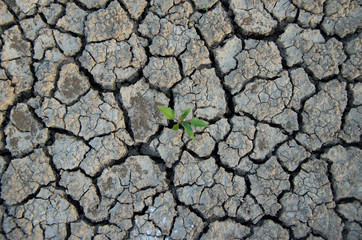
x: 170, y: 115
x: 207, y: 7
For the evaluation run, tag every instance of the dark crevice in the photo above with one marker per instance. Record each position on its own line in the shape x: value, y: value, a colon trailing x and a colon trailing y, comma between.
x: 94, y: 85
x: 332, y: 180
x: 204, y: 230
x: 52, y: 165
x: 10, y: 7
x: 68, y: 229
x: 248, y: 186
x: 84, y: 7
x: 144, y: 14
x: 53, y: 131
x: 348, y: 107
x: 127, y: 119
x: 268, y: 155
x: 146, y: 149
x: 230, y: 108
x: 180, y: 69
x: 218, y: 161
x: 275, y: 220
x: 347, y: 200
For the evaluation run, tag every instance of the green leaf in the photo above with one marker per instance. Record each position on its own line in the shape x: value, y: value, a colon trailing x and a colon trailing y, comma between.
x: 184, y: 114
x: 198, y: 123
x: 188, y: 130
x: 168, y: 112
x: 176, y: 127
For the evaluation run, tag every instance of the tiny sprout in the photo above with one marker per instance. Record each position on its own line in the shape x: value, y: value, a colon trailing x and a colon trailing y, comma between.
x: 170, y: 115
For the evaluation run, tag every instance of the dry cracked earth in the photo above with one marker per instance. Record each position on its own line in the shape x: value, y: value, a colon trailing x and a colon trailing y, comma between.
x: 85, y: 154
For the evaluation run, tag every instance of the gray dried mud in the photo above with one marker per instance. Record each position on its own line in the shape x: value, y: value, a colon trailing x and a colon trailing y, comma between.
x: 85, y: 153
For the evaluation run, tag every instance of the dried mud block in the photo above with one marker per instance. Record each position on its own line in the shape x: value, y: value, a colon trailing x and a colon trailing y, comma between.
x: 345, y: 169
x: 309, y: 48
x: 203, y: 93
x: 162, y: 72
x: 258, y: 59
x: 24, y: 176
x: 322, y: 115
x: 44, y: 216
x: 214, y: 25
x: 252, y: 18
x: 352, y: 67
x: 24, y: 132
x: 74, y: 19
x: 109, y: 23
x: 140, y: 102
x: 342, y: 17
x: 71, y: 84
x: 112, y: 62
x: 206, y: 187
x: 228, y: 229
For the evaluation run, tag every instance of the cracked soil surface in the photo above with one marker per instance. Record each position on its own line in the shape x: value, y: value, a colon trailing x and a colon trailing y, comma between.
x: 85, y: 153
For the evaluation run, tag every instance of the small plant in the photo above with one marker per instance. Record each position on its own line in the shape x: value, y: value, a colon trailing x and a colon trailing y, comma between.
x: 170, y: 115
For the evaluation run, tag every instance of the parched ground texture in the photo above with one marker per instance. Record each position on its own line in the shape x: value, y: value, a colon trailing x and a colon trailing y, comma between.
x: 85, y: 153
